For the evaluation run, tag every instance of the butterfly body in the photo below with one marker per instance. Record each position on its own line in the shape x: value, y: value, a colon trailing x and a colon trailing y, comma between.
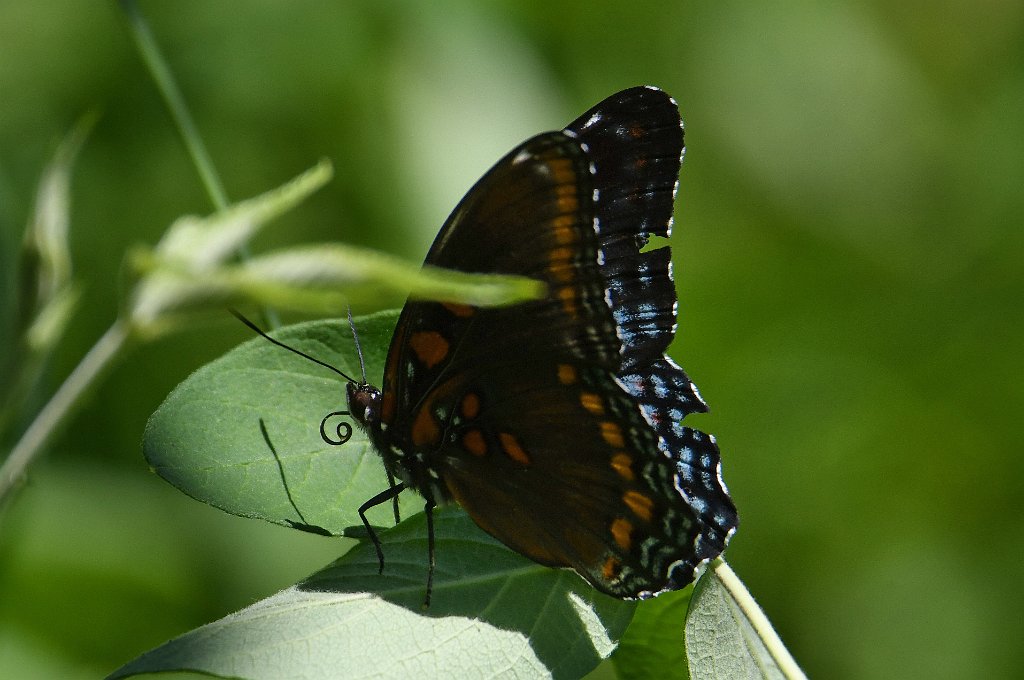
x: 556, y: 423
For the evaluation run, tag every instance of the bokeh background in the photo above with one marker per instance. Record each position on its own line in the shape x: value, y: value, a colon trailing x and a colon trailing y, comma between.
x: 848, y: 253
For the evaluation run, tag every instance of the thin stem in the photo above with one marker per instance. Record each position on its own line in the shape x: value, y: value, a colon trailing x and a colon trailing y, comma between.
x: 168, y: 87
x: 51, y: 419
x: 783, y: 659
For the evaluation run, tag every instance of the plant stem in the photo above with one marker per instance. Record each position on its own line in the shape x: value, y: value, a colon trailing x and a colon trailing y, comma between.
x: 50, y: 420
x: 168, y: 87
x: 169, y: 90
x: 783, y: 659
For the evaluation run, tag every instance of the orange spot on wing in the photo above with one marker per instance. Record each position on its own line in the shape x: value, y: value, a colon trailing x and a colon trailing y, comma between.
x: 612, y: 434
x: 622, y: 530
x: 568, y: 297
x: 561, y: 170
x: 424, y: 429
x: 623, y: 465
x: 567, y: 200
x: 566, y: 374
x: 473, y: 441
x: 611, y: 569
x: 560, y: 265
x: 470, y: 406
x: 640, y: 504
x: 430, y: 347
x: 512, y: 448
x: 592, y: 403
x: 561, y: 255
x: 387, y: 408
x: 562, y: 227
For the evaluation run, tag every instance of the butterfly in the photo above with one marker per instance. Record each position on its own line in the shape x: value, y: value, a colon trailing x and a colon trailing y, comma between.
x: 556, y: 423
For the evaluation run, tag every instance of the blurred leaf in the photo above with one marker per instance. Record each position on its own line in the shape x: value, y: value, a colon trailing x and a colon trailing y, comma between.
x: 206, y: 437
x: 320, y: 279
x: 186, y: 272
x: 652, y: 646
x: 727, y: 634
x: 493, y: 613
x: 358, y: 269
x: 46, y: 254
x: 201, y: 242
x: 46, y: 295
x: 48, y: 327
x: 194, y: 245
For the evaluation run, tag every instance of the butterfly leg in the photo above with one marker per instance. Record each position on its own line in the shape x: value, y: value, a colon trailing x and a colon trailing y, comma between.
x: 429, y: 510
x: 394, y: 500
x: 383, y: 497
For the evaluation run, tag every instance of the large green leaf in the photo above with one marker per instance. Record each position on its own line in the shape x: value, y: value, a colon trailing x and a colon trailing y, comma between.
x: 653, y: 646
x: 242, y: 434
x: 493, y: 614
x: 208, y: 440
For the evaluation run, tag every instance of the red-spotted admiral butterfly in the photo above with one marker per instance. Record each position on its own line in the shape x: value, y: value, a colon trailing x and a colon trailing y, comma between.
x: 556, y: 424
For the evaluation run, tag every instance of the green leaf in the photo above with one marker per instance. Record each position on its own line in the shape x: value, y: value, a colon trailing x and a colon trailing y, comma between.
x: 492, y: 609
x: 207, y: 439
x: 493, y: 613
x: 202, y: 242
x: 188, y: 270
x: 727, y: 634
x: 652, y: 646
x: 315, y: 279
x: 338, y: 272
x: 193, y: 246
x: 48, y: 295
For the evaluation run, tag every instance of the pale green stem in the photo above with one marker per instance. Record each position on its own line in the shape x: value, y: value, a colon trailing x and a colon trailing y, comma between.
x: 52, y: 418
x: 168, y: 87
x: 783, y: 659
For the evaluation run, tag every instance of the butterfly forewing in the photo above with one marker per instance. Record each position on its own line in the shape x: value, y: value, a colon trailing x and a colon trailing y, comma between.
x: 533, y: 215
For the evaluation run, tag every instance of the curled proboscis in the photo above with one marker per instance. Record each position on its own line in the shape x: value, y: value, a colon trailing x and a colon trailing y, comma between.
x: 342, y: 432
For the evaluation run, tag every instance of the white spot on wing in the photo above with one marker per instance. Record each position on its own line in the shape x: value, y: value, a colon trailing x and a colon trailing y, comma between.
x: 521, y: 157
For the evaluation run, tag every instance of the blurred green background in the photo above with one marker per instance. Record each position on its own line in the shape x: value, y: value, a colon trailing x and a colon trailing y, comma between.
x: 848, y: 252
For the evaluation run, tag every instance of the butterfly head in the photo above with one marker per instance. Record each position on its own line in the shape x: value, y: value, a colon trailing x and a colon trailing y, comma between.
x: 364, y: 404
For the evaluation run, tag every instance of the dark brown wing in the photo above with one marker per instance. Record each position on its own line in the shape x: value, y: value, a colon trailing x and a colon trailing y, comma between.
x: 559, y: 464
x: 532, y: 214
x: 556, y: 423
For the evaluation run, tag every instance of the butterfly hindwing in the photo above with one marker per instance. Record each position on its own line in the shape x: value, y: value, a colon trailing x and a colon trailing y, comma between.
x: 563, y: 468
x: 635, y: 140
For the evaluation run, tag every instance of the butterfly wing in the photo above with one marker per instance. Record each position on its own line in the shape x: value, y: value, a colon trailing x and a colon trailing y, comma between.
x: 559, y: 464
x: 635, y: 139
x: 532, y: 214
x: 556, y: 423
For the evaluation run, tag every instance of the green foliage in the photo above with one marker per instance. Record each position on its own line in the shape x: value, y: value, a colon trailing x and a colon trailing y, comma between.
x: 847, y: 251
x: 239, y: 434
x: 492, y: 613
x: 653, y: 644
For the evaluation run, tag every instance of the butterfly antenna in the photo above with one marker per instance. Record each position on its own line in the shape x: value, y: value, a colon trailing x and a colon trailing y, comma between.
x: 256, y: 329
x: 355, y: 337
